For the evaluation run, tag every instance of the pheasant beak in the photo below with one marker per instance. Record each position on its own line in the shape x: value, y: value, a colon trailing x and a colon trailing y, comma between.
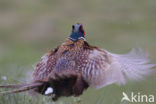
x: 76, y: 28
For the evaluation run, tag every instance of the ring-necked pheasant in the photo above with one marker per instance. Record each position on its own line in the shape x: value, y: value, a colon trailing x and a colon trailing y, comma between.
x: 75, y: 65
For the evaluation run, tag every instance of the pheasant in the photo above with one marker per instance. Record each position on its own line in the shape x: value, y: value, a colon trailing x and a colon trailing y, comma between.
x: 75, y: 65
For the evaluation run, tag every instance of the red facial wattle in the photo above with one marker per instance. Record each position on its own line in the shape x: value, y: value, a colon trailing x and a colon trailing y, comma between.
x: 83, y: 32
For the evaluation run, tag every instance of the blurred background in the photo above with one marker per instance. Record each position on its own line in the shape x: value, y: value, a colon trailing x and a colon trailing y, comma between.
x: 29, y: 28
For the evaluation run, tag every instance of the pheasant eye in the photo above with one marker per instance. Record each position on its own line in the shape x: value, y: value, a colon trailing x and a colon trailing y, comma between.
x: 73, y: 27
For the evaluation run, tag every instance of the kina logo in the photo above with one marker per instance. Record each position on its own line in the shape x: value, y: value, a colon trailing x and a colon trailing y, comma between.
x: 140, y: 98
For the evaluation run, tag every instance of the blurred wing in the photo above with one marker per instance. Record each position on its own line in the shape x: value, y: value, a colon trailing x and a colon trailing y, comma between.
x: 100, y: 69
x: 104, y: 68
x: 45, y: 66
x: 135, y: 65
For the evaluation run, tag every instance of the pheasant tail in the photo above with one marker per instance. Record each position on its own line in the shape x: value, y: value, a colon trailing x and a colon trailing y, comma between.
x: 19, y: 87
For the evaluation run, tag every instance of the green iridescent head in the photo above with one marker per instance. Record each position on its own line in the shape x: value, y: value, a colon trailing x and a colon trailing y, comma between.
x: 77, y: 32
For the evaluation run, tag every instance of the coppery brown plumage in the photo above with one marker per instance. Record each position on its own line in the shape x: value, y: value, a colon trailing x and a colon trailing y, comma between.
x: 75, y: 65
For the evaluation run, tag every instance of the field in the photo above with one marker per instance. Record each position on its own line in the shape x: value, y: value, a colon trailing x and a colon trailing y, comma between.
x: 29, y: 28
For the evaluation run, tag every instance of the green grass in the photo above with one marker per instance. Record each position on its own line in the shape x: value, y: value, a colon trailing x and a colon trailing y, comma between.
x: 29, y: 28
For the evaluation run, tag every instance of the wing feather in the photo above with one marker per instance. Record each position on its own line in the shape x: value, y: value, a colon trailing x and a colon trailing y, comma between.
x: 44, y: 66
x: 104, y: 68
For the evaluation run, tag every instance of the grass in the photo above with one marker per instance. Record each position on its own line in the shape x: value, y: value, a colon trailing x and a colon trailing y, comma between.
x: 29, y: 29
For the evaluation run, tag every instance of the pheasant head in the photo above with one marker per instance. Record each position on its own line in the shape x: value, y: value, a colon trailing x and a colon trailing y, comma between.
x: 77, y: 32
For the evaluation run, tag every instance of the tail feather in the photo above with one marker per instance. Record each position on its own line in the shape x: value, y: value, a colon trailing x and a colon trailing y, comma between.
x: 13, y: 85
x: 22, y: 88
